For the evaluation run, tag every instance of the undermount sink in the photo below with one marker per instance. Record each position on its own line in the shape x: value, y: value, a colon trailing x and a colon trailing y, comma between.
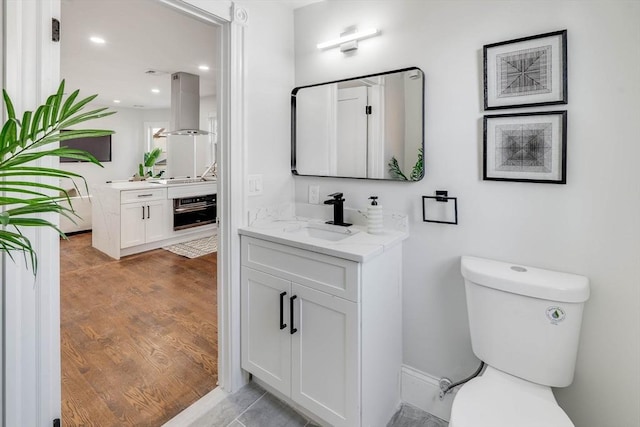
x: 332, y: 233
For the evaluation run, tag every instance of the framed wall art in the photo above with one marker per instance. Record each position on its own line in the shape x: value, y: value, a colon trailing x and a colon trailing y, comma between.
x: 526, y: 147
x: 525, y: 72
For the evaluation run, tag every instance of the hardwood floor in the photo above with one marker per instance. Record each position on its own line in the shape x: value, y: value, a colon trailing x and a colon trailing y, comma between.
x: 138, y: 336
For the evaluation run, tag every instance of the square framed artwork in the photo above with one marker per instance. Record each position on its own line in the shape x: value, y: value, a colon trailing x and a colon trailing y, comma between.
x: 525, y: 72
x: 526, y: 147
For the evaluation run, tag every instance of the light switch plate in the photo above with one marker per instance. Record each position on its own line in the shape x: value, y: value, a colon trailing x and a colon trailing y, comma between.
x: 314, y: 194
x: 254, y: 184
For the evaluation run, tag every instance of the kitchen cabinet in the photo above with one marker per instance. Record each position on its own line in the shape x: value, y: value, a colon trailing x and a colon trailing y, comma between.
x: 144, y: 216
x: 323, y: 331
x: 133, y: 217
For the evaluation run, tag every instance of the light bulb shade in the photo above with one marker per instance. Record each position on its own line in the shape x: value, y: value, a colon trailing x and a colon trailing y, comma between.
x: 358, y: 35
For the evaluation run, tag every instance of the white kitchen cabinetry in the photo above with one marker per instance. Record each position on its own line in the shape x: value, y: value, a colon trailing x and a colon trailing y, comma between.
x: 144, y: 216
x: 323, y: 331
x: 134, y: 217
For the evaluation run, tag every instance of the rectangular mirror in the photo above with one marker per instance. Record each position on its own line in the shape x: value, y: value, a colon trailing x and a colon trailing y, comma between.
x: 369, y: 127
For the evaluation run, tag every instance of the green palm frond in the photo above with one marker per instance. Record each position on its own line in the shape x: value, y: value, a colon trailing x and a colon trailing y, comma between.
x: 151, y: 158
x: 23, y: 198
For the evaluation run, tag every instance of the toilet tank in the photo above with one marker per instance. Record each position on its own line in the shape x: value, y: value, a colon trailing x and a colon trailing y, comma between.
x: 523, y: 320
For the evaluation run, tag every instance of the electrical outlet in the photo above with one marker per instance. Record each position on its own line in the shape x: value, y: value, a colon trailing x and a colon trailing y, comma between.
x: 314, y: 194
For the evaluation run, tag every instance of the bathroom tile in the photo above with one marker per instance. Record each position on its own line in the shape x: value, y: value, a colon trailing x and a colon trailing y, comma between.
x: 271, y: 412
x: 408, y: 416
x: 231, y: 407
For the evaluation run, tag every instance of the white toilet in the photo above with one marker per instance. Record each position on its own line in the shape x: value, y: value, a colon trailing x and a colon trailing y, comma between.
x: 525, y: 323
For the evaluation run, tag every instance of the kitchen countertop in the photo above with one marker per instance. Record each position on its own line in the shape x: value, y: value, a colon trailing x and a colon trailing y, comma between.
x: 359, y: 247
x: 141, y: 185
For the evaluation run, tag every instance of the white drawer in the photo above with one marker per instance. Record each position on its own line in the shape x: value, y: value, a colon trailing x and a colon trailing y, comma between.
x: 336, y: 276
x: 192, y: 190
x: 133, y: 196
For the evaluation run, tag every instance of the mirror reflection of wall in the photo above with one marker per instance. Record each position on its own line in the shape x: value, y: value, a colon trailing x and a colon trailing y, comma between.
x: 367, y: 127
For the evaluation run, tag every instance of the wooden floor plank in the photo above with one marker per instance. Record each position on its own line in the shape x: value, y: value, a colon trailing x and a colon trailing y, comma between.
x: 138, y: 335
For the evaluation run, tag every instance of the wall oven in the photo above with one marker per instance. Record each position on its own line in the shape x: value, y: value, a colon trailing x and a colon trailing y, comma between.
x: 194, y: 211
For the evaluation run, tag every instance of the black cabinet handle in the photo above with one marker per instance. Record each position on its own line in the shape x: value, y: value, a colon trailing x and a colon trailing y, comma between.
x: 148, y: 212
x: 282, y: 324
x: 293, y: 330
x: 143, y: 212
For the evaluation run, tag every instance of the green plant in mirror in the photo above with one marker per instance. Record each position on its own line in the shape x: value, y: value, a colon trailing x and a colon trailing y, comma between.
x: 417, y: 172
x: 24, y: 192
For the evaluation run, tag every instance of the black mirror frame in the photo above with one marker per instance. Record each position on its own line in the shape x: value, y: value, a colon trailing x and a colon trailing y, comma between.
x: 294, y: 92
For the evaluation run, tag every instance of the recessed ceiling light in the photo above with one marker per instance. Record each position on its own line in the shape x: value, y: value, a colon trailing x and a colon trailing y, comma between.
x: 97, y: 40
x: 116, y: 101
x: 155, y: 90
x: 203, y: 67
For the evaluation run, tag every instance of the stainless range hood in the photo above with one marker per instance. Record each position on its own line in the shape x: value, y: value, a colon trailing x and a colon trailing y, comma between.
x: 185, y: 105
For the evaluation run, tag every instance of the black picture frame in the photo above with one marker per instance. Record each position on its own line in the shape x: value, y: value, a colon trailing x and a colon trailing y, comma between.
x: 525, y: 147
x: 526, y: 72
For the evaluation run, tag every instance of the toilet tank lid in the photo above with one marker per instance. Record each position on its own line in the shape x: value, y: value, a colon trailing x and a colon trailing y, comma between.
x: 523, y: 280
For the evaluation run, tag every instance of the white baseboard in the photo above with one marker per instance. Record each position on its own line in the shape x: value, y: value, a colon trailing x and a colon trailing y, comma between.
x: 422, y: 390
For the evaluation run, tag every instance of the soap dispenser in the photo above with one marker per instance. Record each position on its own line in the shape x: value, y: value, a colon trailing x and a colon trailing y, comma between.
x: 374, y: 216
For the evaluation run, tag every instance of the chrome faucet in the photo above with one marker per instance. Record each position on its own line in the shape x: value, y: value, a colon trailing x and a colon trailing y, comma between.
x: 338, y: 209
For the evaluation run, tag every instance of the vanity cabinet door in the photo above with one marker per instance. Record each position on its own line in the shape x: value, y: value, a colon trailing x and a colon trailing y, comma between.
x: 325, y: 356
x: 266, y: 338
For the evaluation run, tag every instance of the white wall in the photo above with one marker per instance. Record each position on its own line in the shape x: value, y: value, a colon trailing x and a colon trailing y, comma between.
x: 127, y: 147
x: 129, y: 144
x: 156, y: 115
x: 590, y: 226
x: 270, y: 79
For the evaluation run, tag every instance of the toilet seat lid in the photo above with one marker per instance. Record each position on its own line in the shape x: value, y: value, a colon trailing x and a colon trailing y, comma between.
x: 497, y: 404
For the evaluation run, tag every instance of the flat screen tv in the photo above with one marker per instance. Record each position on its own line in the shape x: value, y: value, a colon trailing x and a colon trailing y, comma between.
x: 99, y: 146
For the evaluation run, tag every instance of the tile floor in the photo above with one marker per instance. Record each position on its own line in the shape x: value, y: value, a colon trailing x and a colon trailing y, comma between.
x: 254, y: 407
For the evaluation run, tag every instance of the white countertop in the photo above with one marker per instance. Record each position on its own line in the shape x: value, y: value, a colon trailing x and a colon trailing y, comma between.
x: 359, y: 247
x: 141, y: 185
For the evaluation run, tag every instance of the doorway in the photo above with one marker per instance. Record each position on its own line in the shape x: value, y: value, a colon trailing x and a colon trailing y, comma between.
x: 31, y: 345
x: 139, y: 334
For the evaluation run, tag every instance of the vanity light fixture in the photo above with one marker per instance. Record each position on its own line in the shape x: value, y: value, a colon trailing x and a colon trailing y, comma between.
x: 155, y: 90
x: 349, y: 40
x: 116, y: 101
x: 97, y: 40
x: 203, y: 67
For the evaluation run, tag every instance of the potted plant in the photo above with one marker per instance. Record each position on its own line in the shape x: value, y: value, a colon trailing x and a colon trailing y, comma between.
x: 145, y: 170
x: 28, y: 138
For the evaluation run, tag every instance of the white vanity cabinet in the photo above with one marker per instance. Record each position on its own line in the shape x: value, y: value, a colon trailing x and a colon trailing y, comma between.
x: 144, y: 216
x: 324, y: 331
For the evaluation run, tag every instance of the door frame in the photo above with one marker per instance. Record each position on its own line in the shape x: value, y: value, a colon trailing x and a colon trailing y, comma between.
x: 30, y: 320
x: 231, y: 19
x: 31, y: 312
